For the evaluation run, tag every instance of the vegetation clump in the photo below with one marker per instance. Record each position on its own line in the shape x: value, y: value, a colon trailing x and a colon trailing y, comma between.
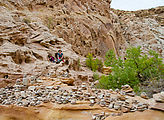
x: 93, y: 64
x: 26, y: 20
x: 49, y: 22
x: 96, y: 77
x: 133, y: 69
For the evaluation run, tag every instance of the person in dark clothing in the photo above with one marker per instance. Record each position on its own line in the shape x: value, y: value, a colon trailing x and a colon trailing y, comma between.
x: 51, y: 58
x: 60, y: 56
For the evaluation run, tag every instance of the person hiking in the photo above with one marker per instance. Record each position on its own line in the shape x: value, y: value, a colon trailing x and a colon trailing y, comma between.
x: 60, y: 56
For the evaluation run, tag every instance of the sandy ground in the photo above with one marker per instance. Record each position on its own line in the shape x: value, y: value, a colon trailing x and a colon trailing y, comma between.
x: 146, y: 115
x: 17, y: 113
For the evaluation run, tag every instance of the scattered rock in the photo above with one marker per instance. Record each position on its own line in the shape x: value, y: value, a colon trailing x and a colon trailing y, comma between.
x: 159, y: 97
x: 126, y: 89
x: 106, y: 70
x: 144, y: 95
x: 158, y: 106
x: 35, y: 95
x: 69, y: 81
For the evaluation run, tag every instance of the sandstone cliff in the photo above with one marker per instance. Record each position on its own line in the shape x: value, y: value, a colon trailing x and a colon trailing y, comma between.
x: 87, y: 25
x: 25, y: 42
x: 142, y: 27
x: 30, y: 30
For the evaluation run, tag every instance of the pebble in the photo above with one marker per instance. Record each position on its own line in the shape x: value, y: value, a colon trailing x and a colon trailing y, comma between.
x: 92, y: 101
x: 39, y: 80
x: 32, y: 88
x: 131, y: 94
x: 73, y: 101
x: 111, y: 106
x: 117, y: 106
x: 117, y: 90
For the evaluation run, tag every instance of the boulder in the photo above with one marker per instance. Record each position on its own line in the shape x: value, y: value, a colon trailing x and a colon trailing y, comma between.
x: 69, y: 81
x: 144, y: 95
x: 107, y: 70
x: 159, y: 97
x: 158, y: 106
x: 126, y: 89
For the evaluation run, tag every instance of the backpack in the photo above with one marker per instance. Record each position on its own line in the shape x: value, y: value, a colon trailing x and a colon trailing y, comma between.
x: 51, y: 58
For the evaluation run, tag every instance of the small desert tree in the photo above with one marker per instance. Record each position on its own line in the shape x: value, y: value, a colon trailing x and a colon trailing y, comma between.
x: 134, y: 69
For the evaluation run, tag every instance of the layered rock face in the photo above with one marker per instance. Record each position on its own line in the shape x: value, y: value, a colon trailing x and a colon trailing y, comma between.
x: 86, y: 25
x: 143, y: 28
x: 25, y: 42
x: 30, y: 30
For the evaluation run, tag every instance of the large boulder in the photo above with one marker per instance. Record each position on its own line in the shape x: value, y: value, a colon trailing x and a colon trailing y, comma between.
x: 159, y: 97
x: 69, y: 81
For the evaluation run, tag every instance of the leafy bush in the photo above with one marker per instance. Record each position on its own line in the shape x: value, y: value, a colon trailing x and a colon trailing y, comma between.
x: 99, y: 64
x: 93, y: 64
x: 89, y: 60
x: 96, y: 76
x: 135, y: 68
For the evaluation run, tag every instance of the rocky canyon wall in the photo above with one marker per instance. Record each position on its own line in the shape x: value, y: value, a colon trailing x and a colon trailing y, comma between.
x: 86, y: 24
x: 25, y: 42
x: 30, y: 30
x: 143, y: 28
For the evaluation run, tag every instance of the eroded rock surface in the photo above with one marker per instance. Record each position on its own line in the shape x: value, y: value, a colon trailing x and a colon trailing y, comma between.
x: 25, y: 43
x: 142, y: 28
x: 32, y: 30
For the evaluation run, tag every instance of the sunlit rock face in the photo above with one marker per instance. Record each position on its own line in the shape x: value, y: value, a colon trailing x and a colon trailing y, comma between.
x: 85, y: 24
x: 143, y: 28
x: 32, y: 30
x: 25, y: 42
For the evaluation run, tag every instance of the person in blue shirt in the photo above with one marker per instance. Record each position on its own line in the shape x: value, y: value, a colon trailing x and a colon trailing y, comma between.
x: 60, y: 56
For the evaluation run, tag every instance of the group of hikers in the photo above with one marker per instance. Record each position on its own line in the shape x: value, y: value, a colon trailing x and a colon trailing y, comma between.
x: 58, y: 57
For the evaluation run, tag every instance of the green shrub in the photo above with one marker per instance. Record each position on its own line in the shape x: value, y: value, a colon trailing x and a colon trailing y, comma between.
x: 133, y: 70
x: 49, y: 22
x: 96, y: 76
x: 105, y: 82
x: 26, y: 20
x: 89, y: 60
x: 78, y: 63
x: 93, y: 64
x: 99, y: 64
